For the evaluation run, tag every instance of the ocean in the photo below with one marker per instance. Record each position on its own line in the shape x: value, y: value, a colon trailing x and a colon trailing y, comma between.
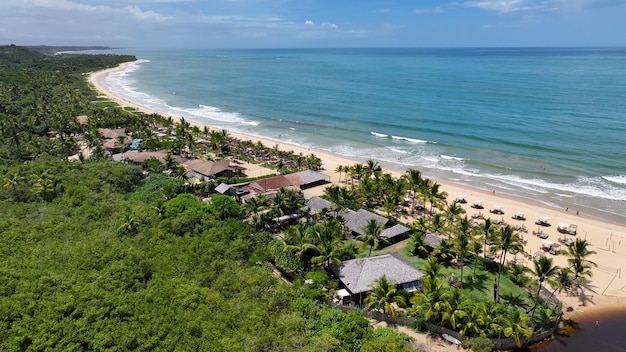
x: 544, y: 124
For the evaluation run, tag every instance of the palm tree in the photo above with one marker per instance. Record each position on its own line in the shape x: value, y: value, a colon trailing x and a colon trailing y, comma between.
x: 437, y: 223
x: 127, y: 228
x: 579, y: 264
x: 432, y: 269
x: 475, y: 320
x: 414, y: 179
x: 255, y: 205
x: 578, y: 253
x: 506, y: 240
x: 487, y: 230
x: 515, y: 325
x: 444, y: 251
x: 477, y: 249
x: 518, y: 275
x: 427, y: 302
x: 326, y: 242
x: 371, y: 235
x: 383, y: 295
x: 462, y: 241
x: 419, y: 243
x: 563, y: 281
x: 544, y: 270
x: 453, y: 211
x: 371, y: 167
x: 339, y: 169
x: 453, y: 307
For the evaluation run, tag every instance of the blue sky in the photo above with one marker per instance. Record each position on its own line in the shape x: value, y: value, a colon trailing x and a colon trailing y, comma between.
x: 313, y: 23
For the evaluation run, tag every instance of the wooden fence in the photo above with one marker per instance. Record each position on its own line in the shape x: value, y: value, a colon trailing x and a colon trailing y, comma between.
x: 505, y: 343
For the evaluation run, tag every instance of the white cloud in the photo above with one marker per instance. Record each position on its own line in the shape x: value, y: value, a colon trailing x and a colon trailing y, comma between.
x: 436, y: 9
x: 145, y: 15
x: 309, y: 22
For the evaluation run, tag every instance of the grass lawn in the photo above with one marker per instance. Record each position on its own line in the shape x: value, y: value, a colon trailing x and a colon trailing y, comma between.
x: 482, y: 284
x: 105, y: 104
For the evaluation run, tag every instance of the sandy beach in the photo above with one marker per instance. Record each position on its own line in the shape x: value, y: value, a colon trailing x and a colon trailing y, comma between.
x: 607, y: 287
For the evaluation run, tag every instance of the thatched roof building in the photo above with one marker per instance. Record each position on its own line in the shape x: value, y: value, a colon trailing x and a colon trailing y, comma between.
x: 359, y: 275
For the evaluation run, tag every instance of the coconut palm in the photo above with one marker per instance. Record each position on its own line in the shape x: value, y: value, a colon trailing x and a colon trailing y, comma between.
x: 518, y: 275
x: 420, y: 247
x: 127, y: 228
x: 487, y: 232
x: 453, y: 306
x: 505, y: 240
x: 444, y: 251
x: 453, y: 211
x: 562, y: 281
x: 432, y: 269
x: 438, y: 222
x: 427, y: 303
x: 578, y: 261
x: 339, y: 169
x: 254, y: 206
x: 516, y: 326
x: 383, y: 295
x: 475, y: 319
x: 463, y: 241
x: 371, y: 167
x: 544, y: 270
x: 371, y: 235
x: 476, y: 248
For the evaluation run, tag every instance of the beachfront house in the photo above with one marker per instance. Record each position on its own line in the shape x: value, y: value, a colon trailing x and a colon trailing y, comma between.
x: 205, y: 170
x: 137, y: 158
x: 115, y: 139
x: 357, y: 220
x: 358, y: 276
x: 270, y: 185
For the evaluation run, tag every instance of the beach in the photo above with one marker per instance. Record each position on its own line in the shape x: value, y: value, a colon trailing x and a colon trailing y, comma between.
x: 606, y: 289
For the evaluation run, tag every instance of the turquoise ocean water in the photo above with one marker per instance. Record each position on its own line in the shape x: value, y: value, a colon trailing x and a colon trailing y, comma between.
x: 546, y: 124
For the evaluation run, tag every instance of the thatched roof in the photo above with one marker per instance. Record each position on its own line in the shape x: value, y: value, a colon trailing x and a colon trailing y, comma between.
x: 298, y: 180
x: 355, y: 221
x: 432, y: 240
x: 140, y: 157
x: 115, y: 143
x: 395, y: 230
x: 359, y: 275
x: 316, y: 204
x: 209, y: 168
x: 82, y: 120
x: 112, y: 133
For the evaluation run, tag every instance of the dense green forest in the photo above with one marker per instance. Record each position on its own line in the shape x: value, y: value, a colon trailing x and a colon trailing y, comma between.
x: 98, y: 256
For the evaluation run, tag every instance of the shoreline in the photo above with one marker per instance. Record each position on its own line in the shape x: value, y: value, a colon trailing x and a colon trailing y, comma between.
x: 606, y: 237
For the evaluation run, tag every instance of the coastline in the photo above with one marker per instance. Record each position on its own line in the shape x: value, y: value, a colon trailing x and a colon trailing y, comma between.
x: 608, y: 239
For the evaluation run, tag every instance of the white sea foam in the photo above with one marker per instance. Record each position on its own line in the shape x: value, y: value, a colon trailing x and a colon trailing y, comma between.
x: 447, y: 157
x: 120, y: 84
x: 214, y: 114
x: 583, y: 186
x: 410, y: 140
x: 398, y: 150
x: 381, y: 135
x: 621, y: 179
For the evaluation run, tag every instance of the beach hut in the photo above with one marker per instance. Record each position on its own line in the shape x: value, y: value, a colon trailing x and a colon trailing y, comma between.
x: 562, y: 227
x: 478, y: 204
x: 518, y: 216
x: 543, y: 221
x: 497, y: 209
x: 460, y: 199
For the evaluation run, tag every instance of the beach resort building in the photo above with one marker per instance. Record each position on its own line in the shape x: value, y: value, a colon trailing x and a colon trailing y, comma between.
x: 358, y: 276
